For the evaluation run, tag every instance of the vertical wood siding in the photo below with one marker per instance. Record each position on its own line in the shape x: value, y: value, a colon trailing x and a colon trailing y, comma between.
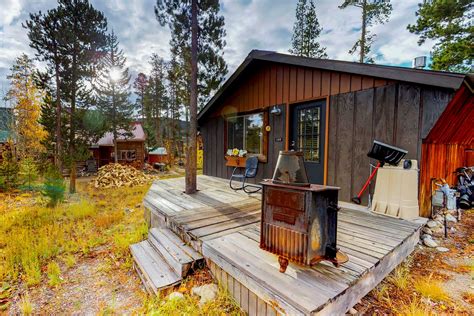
x: 393, y: 114
x: 360, y: 109
x: 439, y: 161
x: 270, y: 84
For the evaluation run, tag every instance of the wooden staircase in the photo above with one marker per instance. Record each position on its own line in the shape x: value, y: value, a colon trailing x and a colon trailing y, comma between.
x: 163, y: 260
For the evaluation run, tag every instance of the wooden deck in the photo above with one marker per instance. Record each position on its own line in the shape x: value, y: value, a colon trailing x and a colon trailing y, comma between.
x: 224, y: 226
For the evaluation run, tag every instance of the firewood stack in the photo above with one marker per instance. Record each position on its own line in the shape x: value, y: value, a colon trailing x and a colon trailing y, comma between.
x: 115, y: 175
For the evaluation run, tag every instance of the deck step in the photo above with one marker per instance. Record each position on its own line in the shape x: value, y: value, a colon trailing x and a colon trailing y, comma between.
x: 180, y: 257
x: 152, y: 268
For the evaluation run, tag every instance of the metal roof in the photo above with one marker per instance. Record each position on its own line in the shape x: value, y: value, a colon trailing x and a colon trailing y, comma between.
x: 441, y: 79
x: 138, y: 134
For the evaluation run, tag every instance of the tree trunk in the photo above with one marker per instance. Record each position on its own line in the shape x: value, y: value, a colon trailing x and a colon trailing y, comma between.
x: 114, y: 125
x: 362, y: 37
x: 58, y: 158
x: 191, y: 155
x: 72, y: 125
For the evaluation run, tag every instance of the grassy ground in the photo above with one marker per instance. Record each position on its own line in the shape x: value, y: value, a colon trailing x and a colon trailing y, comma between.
x: 430, y: 282
x: 75, y: 257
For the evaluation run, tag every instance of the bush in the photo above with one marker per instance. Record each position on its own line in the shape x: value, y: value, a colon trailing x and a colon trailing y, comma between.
x: 9, y: 171
x: 54, y: 186
x: 28, y: 173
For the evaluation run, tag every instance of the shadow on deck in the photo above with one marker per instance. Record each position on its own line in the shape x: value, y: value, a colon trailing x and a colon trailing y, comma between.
x: 224, y: 226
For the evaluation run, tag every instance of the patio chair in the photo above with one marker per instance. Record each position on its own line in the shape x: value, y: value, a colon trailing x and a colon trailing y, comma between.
x: 251, y: 167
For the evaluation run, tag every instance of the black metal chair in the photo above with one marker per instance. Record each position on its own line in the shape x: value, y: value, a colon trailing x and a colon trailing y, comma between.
x: 251, y: 168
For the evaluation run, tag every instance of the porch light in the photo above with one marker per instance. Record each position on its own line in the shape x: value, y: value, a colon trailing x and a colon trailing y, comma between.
x: 275, y: 110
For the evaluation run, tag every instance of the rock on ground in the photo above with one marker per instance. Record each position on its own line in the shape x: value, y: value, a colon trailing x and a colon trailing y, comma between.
x: 207, y: 292
x: 430, y: 242
x: 175, y: 295
x: 442, y: 249
x: 431, y: 224
x: 428, y: 231
x: 451, y: 218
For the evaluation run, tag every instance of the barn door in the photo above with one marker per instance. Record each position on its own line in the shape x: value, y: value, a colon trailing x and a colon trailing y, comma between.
x: 308, y: 135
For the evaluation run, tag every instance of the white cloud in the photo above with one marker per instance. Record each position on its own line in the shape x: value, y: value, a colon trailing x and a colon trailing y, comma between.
x: 250, y: 24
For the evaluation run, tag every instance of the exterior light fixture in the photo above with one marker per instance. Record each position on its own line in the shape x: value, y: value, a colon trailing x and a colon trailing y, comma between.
x: 275, y: 110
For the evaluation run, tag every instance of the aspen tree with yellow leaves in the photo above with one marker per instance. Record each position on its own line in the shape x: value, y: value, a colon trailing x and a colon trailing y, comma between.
x: 26, y: 99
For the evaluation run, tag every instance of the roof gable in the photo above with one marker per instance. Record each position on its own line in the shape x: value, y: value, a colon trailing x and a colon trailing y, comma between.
x: 418, y: 76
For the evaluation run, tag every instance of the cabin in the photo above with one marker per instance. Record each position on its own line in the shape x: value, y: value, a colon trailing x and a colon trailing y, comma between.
x: 6, y: 117
x: 131, y: 149
x: 332, y: 111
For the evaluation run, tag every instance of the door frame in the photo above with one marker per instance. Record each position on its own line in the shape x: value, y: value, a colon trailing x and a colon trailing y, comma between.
x: 289, y: 106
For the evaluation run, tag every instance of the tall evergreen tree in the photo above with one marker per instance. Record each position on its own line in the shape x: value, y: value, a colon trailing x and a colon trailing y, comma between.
x: 212, y: 67
x: 156, y: 98
x: 112, y: 91
x: 197, y: 41
x: 373, y: 12
x: 47, y: 38
x: 450, y: 24
x: 79, y: 38
x: 306, y: 31
x: 140, y: 85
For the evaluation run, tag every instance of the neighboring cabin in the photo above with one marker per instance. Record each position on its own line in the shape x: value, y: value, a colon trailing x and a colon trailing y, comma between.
x: 131, y: 150
x: 332, y: 111
x: 6, y: 117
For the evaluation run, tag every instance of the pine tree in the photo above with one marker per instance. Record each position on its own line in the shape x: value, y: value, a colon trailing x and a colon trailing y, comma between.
x: 140, y: 85
x: 373, y: 12
x: 306, y: 31
x: 79, y: 37
x: 26, y: 98
x: 197, y: 41
x: 449, y: 23
x: 156, y: 99
x: 112, y: 91
x: 212, y: 67
x: 46, y: 35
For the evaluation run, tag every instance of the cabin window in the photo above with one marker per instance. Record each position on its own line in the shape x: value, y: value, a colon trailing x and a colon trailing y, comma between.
x: 127, y: 155
x: 246, y: 132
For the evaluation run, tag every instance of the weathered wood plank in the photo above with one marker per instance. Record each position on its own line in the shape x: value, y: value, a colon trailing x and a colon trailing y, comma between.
x: 340, y: 304
x: 344, y: 145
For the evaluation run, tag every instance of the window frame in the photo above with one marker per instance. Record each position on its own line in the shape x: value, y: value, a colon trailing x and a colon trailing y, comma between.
x: 262, y: 157
x: 127, y: 152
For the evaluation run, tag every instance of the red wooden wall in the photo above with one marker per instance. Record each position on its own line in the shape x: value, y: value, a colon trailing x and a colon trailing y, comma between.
x: 449, y: 145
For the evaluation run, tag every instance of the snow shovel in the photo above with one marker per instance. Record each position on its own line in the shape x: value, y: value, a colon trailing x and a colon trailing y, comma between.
x: 383, y: 153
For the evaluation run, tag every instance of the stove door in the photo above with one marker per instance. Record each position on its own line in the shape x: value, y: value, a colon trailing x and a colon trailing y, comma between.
x: 308, y: 135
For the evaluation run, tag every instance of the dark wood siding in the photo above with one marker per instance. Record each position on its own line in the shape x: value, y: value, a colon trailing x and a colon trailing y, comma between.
x: 395, y: 114
x: 360, y: 108
x: 213, y: 131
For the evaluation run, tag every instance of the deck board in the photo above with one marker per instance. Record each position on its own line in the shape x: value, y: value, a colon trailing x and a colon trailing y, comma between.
x: 224, y: 225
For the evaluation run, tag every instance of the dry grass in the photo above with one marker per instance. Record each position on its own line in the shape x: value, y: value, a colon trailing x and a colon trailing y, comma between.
x: 432, y: 289
x: 223, y: 304
x: 40, y: 245
x: 400, y: 277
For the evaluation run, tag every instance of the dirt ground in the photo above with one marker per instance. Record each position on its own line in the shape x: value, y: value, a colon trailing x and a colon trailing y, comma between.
x: 98, y: 277
x: 99, y: 281
x: 452, y: 272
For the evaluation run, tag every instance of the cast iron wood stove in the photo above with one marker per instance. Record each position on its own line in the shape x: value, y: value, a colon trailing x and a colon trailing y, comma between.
x: 299, y: 220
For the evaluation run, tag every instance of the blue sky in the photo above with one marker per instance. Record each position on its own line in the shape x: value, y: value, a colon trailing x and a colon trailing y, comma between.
x: 250, y: 24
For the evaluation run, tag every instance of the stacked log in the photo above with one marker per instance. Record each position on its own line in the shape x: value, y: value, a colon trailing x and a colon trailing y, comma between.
x: 115, y: 175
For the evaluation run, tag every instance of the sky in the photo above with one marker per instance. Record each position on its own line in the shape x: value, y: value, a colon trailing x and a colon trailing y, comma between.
x: 250, y: 24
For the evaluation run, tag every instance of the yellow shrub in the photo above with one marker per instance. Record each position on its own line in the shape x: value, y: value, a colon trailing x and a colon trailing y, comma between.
x: 400, y: 277
x: 431, y: 289
x: 54, y: 274
x: 25, y: 306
